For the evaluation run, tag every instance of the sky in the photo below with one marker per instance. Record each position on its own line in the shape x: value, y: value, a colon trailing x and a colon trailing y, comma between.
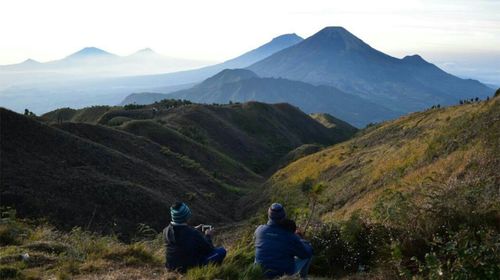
x: 217, y: 30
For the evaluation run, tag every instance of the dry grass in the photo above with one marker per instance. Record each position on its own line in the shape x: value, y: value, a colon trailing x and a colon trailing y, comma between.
x: 438, y: 146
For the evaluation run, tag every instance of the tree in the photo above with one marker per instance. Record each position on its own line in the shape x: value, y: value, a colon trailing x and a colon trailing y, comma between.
x: 497, y: 93
x: 29, y: 113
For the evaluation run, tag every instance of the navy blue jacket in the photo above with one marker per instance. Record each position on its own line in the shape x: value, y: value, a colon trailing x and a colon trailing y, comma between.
x: 185, y: 247
x: 276, y: 247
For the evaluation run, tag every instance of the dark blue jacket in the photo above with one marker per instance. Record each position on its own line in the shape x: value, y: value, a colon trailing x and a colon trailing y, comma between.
x: 185, y: 247
x: 276, y: 247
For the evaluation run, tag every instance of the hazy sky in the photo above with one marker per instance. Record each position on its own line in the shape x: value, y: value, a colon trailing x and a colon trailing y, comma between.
x: 218, y: 30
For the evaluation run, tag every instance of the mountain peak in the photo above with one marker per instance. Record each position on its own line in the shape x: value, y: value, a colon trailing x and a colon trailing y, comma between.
x: 90, y: 52
x: 287, y: 38
x: 146, y: 50
x: 414, y: 59
x: 30, y: 61
x: 333, y: 29
x: 337, y: 37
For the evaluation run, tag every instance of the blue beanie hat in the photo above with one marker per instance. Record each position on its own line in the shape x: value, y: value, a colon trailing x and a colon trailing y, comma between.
x: 276, y: 212
x: 180, y: 213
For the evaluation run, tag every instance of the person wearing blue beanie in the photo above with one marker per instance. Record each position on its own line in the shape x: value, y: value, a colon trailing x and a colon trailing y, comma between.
x: 187, y: 246
x: 180, y: 213
x: 278, y: 250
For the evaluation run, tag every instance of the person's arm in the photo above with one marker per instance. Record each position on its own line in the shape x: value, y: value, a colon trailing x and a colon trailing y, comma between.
x: 301, y: 249
x: 203, y: 243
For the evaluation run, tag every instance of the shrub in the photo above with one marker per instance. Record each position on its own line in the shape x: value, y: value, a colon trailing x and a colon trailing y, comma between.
x: 348, y: 247
x: 7, y: 272
x: 12, y: 232
x: 463, y: 254
x: 133, y: 106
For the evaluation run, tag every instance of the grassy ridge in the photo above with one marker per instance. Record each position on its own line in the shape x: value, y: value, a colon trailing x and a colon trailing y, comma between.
x: 415, y: 153
x: 220, y: 165
x: 415, y: 197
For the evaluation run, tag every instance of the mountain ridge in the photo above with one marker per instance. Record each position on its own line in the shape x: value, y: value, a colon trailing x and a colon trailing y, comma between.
x: 242, y: 85
x: 333, y: 56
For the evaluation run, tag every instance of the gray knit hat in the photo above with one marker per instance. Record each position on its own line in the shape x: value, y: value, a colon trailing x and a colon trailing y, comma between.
x: 276, y: 212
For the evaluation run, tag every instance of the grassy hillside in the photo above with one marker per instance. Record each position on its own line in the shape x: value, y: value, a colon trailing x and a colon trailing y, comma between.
x: 101, y: 179
x: 239, y: 137
x: 337, y: 126
x: 253, y: 133
x: 221, y: 166
x: 419, y: 152
x: 107, y: 175
x: 89, y: 114
x: 415, y: 196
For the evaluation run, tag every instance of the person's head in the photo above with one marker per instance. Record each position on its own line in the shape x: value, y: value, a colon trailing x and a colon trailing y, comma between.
x: 276, y: 212
x: 289, y: 225
x: 180, y: 213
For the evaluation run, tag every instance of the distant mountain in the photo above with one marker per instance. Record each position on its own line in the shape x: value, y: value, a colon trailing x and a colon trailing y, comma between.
x: 194, y: 76
x: 240, y: 85
x: 277, y: 44
x: 54, y: 84
x: 94, y: 62
x: 90, y: 52
x: 335, y: 57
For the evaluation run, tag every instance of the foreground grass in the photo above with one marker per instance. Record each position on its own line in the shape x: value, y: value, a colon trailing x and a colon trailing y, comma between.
x: 38, y: 251
x: 35, y: 250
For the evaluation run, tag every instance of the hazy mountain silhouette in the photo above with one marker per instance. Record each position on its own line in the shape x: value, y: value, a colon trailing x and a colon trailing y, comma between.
x: 93, y: 81
x: 194, y: 76
x: 335, y: 57
x: 89, y: 52
x: 240, y: 85
x: 94, y: 62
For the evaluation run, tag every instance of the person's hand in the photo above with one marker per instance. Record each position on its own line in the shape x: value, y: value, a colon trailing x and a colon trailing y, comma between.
x: 199, y: 227
x: 210, y: 232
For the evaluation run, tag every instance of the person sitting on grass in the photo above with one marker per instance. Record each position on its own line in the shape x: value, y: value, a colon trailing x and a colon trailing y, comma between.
x: 187, y: 246
x: 278, y: 249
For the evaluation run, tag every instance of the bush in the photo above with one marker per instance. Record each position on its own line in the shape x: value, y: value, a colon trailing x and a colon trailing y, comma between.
x: 7, y: 272
x: 116, y: 121
x: 348, y: 247
x: 464, y: 254
x: 12, y: 232
x: 133, y: 106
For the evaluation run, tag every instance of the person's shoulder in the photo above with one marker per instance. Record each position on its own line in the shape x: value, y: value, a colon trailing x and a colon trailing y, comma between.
x: 261, y: 228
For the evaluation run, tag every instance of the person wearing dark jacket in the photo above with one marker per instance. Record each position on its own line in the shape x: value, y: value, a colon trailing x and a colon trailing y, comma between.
x: 187, y: 246
x: 278, y: 250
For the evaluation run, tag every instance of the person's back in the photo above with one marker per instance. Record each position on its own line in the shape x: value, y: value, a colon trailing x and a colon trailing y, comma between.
x: 186, y: 247
x: 276, y: 248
